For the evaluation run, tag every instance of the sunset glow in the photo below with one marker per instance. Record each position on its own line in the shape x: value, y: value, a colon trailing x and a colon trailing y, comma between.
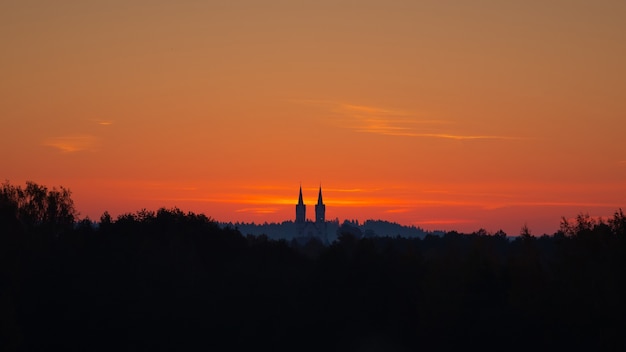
x: 443, y: 115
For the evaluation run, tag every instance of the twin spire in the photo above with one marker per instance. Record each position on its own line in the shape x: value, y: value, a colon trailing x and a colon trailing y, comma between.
x: 319, y: 197
x: 320, y: 209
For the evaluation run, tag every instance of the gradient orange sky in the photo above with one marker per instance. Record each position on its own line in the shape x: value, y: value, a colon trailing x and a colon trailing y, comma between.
x: 441, y: 114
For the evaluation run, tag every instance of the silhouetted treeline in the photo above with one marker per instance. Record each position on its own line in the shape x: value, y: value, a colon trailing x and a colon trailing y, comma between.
x: 169, y: 280
x: 287, y: 230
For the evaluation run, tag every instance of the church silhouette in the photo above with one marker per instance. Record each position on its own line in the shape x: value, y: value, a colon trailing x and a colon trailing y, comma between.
x: 307, y: 228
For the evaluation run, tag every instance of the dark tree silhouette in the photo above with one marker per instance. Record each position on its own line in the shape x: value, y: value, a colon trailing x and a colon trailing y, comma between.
x: 36, y: 207
x: 174, y: 280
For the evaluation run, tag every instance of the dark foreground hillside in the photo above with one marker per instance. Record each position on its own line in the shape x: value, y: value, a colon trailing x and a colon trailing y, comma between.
x: 175, y: 281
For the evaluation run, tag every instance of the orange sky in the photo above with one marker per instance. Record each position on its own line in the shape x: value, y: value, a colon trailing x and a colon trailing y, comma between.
x: 442, y: 114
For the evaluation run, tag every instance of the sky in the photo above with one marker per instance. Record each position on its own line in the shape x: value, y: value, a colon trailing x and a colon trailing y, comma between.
x: 449, y: 115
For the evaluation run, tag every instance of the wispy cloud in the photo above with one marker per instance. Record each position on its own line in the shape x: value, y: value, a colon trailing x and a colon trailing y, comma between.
x: 351, y: 190
x: 70, y: 144
x: 234, y: 198
x: 389, y: 122
x: 396, y: 211
x: 534, y: 204
x: 257, y: 210
x: 448, y: 136
x: 371, y: 110
x: 103, y: 122
x: 444, y: 222
x: 311, y: 190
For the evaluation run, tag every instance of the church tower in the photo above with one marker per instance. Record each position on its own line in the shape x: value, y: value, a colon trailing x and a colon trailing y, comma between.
x: 307, y: 228
x: 300, y: 210
x: 320, y: 209
x: 320, y: 218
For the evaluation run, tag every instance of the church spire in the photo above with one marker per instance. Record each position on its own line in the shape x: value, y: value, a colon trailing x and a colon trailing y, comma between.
x: 300, y: 210
x: 320, y: 209
x: 319, y: 197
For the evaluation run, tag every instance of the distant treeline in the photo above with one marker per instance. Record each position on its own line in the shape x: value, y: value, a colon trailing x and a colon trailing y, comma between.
x: 287, y: 230
x: 170, y: 280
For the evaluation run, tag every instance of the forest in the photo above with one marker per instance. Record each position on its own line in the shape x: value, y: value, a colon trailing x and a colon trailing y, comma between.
x: 175, y: 280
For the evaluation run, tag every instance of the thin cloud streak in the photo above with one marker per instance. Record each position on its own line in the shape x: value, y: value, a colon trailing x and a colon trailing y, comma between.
x: 396, y: 211
x: 269, y: 200
x: 232, y: 199
x: 373, y: 110
x: 310, y: 189
x: 445, y: 222
x: 388, y: 122
x: 352, y: 190
x: 363, y: 202
x: 71, y: 144
x: 551, y: 204
x: 387, y: 132
x: 257, y: 210
x: 103, y: 122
